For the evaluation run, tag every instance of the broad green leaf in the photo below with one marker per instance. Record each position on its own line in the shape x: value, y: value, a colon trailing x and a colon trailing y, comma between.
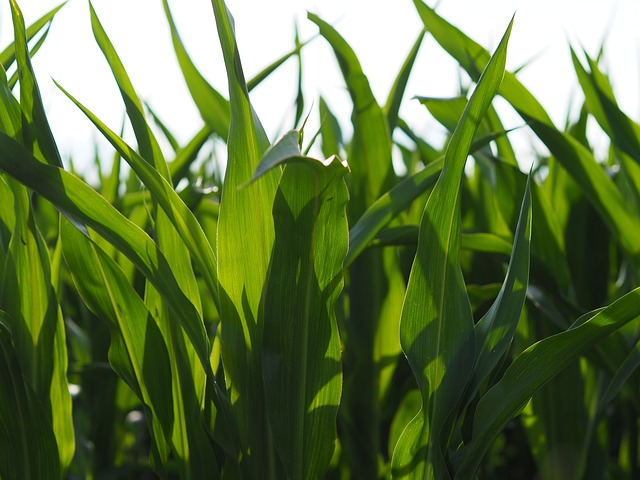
x: 36, y: 131
x: 533, y: 368
x: 28, y: 297
x: 302, y: 369
x: 574, y: 157
x: 245, y: 240
x: 376, y: 284
x: 27, y: 441
x: 437, y: 329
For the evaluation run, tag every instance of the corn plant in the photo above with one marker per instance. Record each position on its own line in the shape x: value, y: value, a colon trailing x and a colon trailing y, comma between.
x: 300, y: 317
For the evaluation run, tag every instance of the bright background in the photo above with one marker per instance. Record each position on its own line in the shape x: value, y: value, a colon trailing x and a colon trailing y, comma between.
x: 380, y: 31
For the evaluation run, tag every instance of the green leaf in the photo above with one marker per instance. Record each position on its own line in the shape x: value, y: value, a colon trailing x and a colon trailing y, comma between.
x: 388, y: 206
x: 302, y: 369
x: 84, y: 207
x: 396, y: 200
x: 186, y: 155
x: 109, y: 295
x: 28, y: 443
x: 574, y: 157
x: 437, y: 329
x: 213, y: 107
x: 533, y: 368
x: 244, y: 240
x: 602, y: 104
x: 8, y: 55
x: 370, y: 149
x: 27, y: 295
x: 495, y: 330
x: 394, y: 100
x: 330, y: 130
x: 10, y: 116
x: 376, y: 284
x: 36, y: 131
x: 162, y: 192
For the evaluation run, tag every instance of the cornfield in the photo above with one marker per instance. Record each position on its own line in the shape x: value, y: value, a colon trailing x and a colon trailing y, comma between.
x: 265, y: 314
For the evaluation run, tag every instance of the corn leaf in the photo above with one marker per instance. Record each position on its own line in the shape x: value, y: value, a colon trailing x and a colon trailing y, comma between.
x: 84, y: 207
x: 574, y: 157
x: 536, y: 366
x: 189, y: 377
x: 388, y: 206
x: 213, y: 106
x: 376, y: 284
x: 329, y: 130
x: 8, y: 55
x: 27, y: 441
x: 36, y: 131
x: 495, y: 330
x: 107, y: 292
x: 396, y: 200
x: 394, y: 100
x: 437, y: 329
x: 302, y: 370
x: 177, y: 212
x: 28, y: 297
x: 245, y: 241
x: 370, y: 150
x: 602, y: 104
x: 10, y: 116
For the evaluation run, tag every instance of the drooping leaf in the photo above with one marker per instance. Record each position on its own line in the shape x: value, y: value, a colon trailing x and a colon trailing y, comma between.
x: 302, y: 369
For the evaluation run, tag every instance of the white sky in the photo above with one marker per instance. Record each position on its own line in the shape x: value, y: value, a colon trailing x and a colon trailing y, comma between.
x: 380, y: 31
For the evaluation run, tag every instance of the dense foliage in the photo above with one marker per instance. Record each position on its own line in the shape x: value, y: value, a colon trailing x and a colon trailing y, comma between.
x: 304, y: 318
